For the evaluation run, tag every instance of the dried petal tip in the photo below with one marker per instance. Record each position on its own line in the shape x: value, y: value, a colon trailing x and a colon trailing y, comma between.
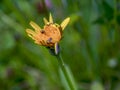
x: 64, y: 23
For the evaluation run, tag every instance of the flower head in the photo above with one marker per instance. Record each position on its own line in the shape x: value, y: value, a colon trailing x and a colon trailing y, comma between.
x: 50, y: 34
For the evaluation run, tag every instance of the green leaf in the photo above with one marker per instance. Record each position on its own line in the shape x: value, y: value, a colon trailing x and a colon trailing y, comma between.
x: 108, y: 11
x: 99, y: 20
x: 6, y: 41
x: 96, y: 86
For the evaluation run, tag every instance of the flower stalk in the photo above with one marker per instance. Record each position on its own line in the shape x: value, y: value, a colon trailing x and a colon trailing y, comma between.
x: 65, y: 72
x: 50, y: 36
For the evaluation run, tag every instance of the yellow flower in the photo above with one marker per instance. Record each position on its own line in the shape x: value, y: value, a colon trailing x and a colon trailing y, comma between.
x: 50, y: 35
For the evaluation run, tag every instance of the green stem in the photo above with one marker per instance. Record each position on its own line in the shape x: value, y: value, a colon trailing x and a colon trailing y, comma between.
x: 64, y: 70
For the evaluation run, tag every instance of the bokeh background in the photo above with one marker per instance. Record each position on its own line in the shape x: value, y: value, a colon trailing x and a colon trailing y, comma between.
x: 90, y: 46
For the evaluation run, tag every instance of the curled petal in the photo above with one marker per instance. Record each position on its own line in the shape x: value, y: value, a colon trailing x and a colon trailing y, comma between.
x: 35, y: 26
x: 50, y: 18
x: 56, y: 47
x: 64, y: 23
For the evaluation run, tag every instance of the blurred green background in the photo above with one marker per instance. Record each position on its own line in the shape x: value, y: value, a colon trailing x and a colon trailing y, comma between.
x: 90, y: 46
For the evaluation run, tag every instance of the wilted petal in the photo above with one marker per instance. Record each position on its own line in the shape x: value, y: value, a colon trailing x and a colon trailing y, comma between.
x: 35, y: 26
x: 64, y: 23
x: 50, y: 18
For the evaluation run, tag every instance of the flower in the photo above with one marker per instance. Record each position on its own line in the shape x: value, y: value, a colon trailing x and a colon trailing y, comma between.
x: 51, y: 33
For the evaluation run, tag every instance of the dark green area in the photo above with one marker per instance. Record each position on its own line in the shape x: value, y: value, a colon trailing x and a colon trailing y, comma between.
x: 90, y: 45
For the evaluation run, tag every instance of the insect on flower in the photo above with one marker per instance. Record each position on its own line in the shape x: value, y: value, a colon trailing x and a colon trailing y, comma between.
x: 51, y: 33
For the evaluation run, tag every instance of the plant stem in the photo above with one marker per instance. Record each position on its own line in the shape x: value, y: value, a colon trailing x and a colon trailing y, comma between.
x: 65, y: 72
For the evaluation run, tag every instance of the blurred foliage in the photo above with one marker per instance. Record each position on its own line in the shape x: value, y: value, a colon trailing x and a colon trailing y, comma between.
x: 90, y: 47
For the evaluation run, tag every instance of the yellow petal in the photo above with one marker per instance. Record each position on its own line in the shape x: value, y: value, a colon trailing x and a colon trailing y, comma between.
x: 35, y: 26
x: 64, y: 23
x: 30, y: 33
x: 50, y: 18
x: 45, y: 21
